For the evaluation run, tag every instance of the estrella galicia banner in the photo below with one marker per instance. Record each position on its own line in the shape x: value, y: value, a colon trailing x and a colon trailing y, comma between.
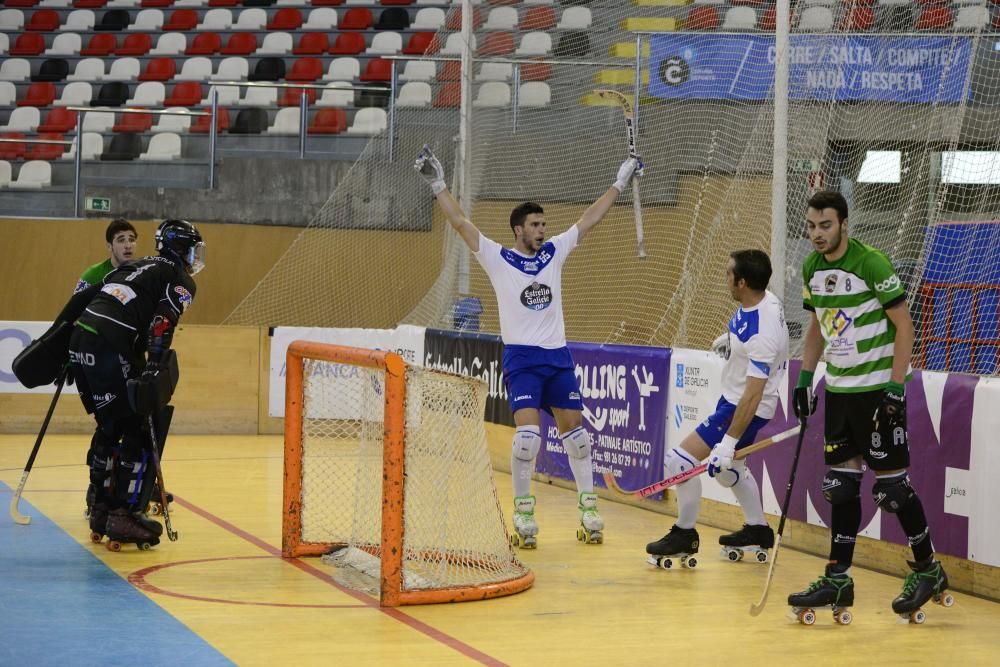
x: 821, y: 67
x: 624, y: 393
x: 473, y: 355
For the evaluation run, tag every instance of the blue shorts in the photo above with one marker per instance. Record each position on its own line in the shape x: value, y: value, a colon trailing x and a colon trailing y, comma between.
x: 541, y: 379
x: 714, y: 428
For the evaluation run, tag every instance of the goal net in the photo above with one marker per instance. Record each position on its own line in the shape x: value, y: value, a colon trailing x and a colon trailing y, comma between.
x: 387, y: 472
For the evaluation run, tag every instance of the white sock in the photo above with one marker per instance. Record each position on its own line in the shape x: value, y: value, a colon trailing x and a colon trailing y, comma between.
x: 748, y: 494
x: 520, y: 472
x: 583, y: 473
x: 688, y: 502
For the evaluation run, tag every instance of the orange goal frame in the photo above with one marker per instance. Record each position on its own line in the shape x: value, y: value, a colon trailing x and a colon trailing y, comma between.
x: 392, y: 593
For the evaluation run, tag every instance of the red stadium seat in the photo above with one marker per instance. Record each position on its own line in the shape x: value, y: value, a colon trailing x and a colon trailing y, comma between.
x: 133, y: 122
x: 536, y: 72
x: 329, y: 121
x: 89, y: 4
x: 240, y: 44
x: 497, y: 44
x: 159, y: 69
x: 156, y: 4
x: 857, y: 17
x: 287, y: 18
x: 312, y: 44
x: 101, y: 44
x: 454, y: 21
x: 449, y: 95
x: 28, y: 44
x: 43, y: 20
x: 204, y: 44
x: 182, y: 19
x: 450, y: 71
x: 356, y: 18
x: 58, y: 119
x: 703, y: 17
x: 201, y: 124
x: 46, y: 151
x: 421, y: 43
x: 305, y: 69
x: 223, y: 3
x: 136, y: 44
x: 326, y: 3
x: 538, y: 18
x: 291, y: 97
x: 185, y: 94
x: 934, y: 17
x: 22, y: 3
x: 39, y: 94
x: 378, y: 69
x: 348, y: 44
x: 12, y: 151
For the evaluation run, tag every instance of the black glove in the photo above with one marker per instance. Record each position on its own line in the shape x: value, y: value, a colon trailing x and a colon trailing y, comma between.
x: 145, y: 394
x: 891, y: 412
x: 803, y: 399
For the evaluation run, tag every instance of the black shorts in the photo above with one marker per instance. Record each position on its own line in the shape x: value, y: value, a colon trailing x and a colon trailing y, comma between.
x: 850, y: 431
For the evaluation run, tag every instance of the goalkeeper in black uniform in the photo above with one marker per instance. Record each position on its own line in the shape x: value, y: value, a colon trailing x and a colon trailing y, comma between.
x: 122, y: 333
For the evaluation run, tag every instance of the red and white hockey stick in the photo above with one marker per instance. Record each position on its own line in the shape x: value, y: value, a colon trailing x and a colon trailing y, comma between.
x: 656, y: 487
x: 626, y: 106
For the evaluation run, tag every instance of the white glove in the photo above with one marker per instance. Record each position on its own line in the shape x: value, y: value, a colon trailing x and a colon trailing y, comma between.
x: 722, y: 456
x: 429, y: 167
x: 721, y: 345
x: 632, y: 167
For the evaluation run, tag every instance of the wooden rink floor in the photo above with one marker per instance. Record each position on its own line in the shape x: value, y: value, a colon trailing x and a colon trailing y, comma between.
x: 221, y: 594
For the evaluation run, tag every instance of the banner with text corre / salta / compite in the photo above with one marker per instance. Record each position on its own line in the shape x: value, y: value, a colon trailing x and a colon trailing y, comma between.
x: 624, y: 393
x: 474, y: 355
x: 821, y: 67
x: 14, y: 337
x: 340, y: 379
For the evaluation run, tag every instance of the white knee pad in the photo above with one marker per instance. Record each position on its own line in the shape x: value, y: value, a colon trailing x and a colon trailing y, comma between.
x: 677, y: 461
x: 730, y: 477
x: 527, y: 442
x: 576, y: 443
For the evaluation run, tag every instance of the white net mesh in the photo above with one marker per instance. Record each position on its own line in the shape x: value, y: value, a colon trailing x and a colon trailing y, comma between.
x: 454, y: 533
x: 886, y: 104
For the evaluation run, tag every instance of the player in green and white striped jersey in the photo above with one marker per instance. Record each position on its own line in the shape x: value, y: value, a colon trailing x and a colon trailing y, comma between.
x: 861, y: 320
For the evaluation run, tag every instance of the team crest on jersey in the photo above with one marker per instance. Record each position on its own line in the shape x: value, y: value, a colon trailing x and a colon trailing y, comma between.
x: 830, y: 285
x: 183, y: 296
x: 537, y: 296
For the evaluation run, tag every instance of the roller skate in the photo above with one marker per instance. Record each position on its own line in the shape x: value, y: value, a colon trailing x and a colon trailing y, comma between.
x: 97, y: 513
x: 677, y: 546
x: 752, y: 540
x: 525, y: 528
x: 835, y: 589
x: 591, y: 530
x: 126, y: 527
x: 927, y: 581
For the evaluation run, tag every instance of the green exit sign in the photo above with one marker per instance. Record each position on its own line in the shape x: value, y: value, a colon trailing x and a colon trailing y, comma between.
x: 100, y: 204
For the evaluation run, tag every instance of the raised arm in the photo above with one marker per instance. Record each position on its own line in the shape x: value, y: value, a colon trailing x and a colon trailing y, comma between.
x: 596, y: 212
x: 429, y: 167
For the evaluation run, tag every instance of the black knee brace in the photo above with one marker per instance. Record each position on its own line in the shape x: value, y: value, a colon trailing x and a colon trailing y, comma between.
x: 100, y: 460
x: 893, y: 494
x: 841, y: 486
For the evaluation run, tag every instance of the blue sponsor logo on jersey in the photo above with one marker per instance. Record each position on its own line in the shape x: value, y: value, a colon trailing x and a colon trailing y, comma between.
x: 537, y: 296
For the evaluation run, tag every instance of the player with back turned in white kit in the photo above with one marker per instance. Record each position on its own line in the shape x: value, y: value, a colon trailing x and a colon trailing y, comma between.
x: 537, y: 365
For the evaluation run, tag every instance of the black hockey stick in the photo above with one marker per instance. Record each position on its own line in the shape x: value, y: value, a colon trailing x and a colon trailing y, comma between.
x: 15, y: 514
x: 755, y: 609
x: 155, y: 449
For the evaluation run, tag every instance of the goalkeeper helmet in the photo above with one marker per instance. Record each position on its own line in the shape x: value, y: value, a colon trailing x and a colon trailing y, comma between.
x: 180, y: 239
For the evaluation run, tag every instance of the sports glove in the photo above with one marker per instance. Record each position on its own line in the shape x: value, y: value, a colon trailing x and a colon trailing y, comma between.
x: 891, y: 411
x: 803, y: 400
x: 429, y: 167
x: 144, y: 393
x: 721, y: 345
x: 632, y: 167
x: 722, y: 456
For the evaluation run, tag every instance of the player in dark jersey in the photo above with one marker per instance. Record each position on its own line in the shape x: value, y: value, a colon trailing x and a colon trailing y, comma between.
x: 122, y: 334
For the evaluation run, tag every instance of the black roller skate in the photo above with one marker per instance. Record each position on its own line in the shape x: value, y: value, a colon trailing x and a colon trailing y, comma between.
x: 835, y: 589
x: 97, y: 513
x: 677, y: 546
x: 753, y: 540
x: 927, y: 581
x: 127, y: 527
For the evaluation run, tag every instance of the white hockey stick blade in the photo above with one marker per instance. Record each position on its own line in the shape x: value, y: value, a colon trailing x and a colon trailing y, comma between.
x: 15, y: 514
x: 756, y: 609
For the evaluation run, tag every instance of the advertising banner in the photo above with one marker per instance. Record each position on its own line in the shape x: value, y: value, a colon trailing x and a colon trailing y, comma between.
x: 14, y: 337
x: 474, y: 355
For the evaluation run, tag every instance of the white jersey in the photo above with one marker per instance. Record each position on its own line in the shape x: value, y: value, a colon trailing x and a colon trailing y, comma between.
x: 529, y: 289
x: 758, y: 347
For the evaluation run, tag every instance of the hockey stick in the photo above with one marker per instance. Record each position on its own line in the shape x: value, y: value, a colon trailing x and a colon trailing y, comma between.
x: 656, y: 487
x: 171, y: 533
x: 630, y: 134
x: 15, y: 514
x: 755, y: 609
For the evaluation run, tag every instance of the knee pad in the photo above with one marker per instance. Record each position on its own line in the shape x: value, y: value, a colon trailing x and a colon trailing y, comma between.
x: 576, y: 443
x: 894, y: 493
x: 677, y: 461
x: 527, y: 442
x: 841, y: 486
x: 729, y: 477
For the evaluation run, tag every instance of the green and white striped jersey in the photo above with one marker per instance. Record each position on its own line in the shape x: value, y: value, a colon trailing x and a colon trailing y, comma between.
x: 849, y: 297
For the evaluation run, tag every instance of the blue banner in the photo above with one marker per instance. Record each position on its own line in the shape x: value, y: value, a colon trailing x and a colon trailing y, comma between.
x: 624, y: 392
x: 821, y: 67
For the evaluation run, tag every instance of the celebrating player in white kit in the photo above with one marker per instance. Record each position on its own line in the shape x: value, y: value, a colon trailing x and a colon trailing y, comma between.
x: 756, y: 350
x: 537, y: 366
